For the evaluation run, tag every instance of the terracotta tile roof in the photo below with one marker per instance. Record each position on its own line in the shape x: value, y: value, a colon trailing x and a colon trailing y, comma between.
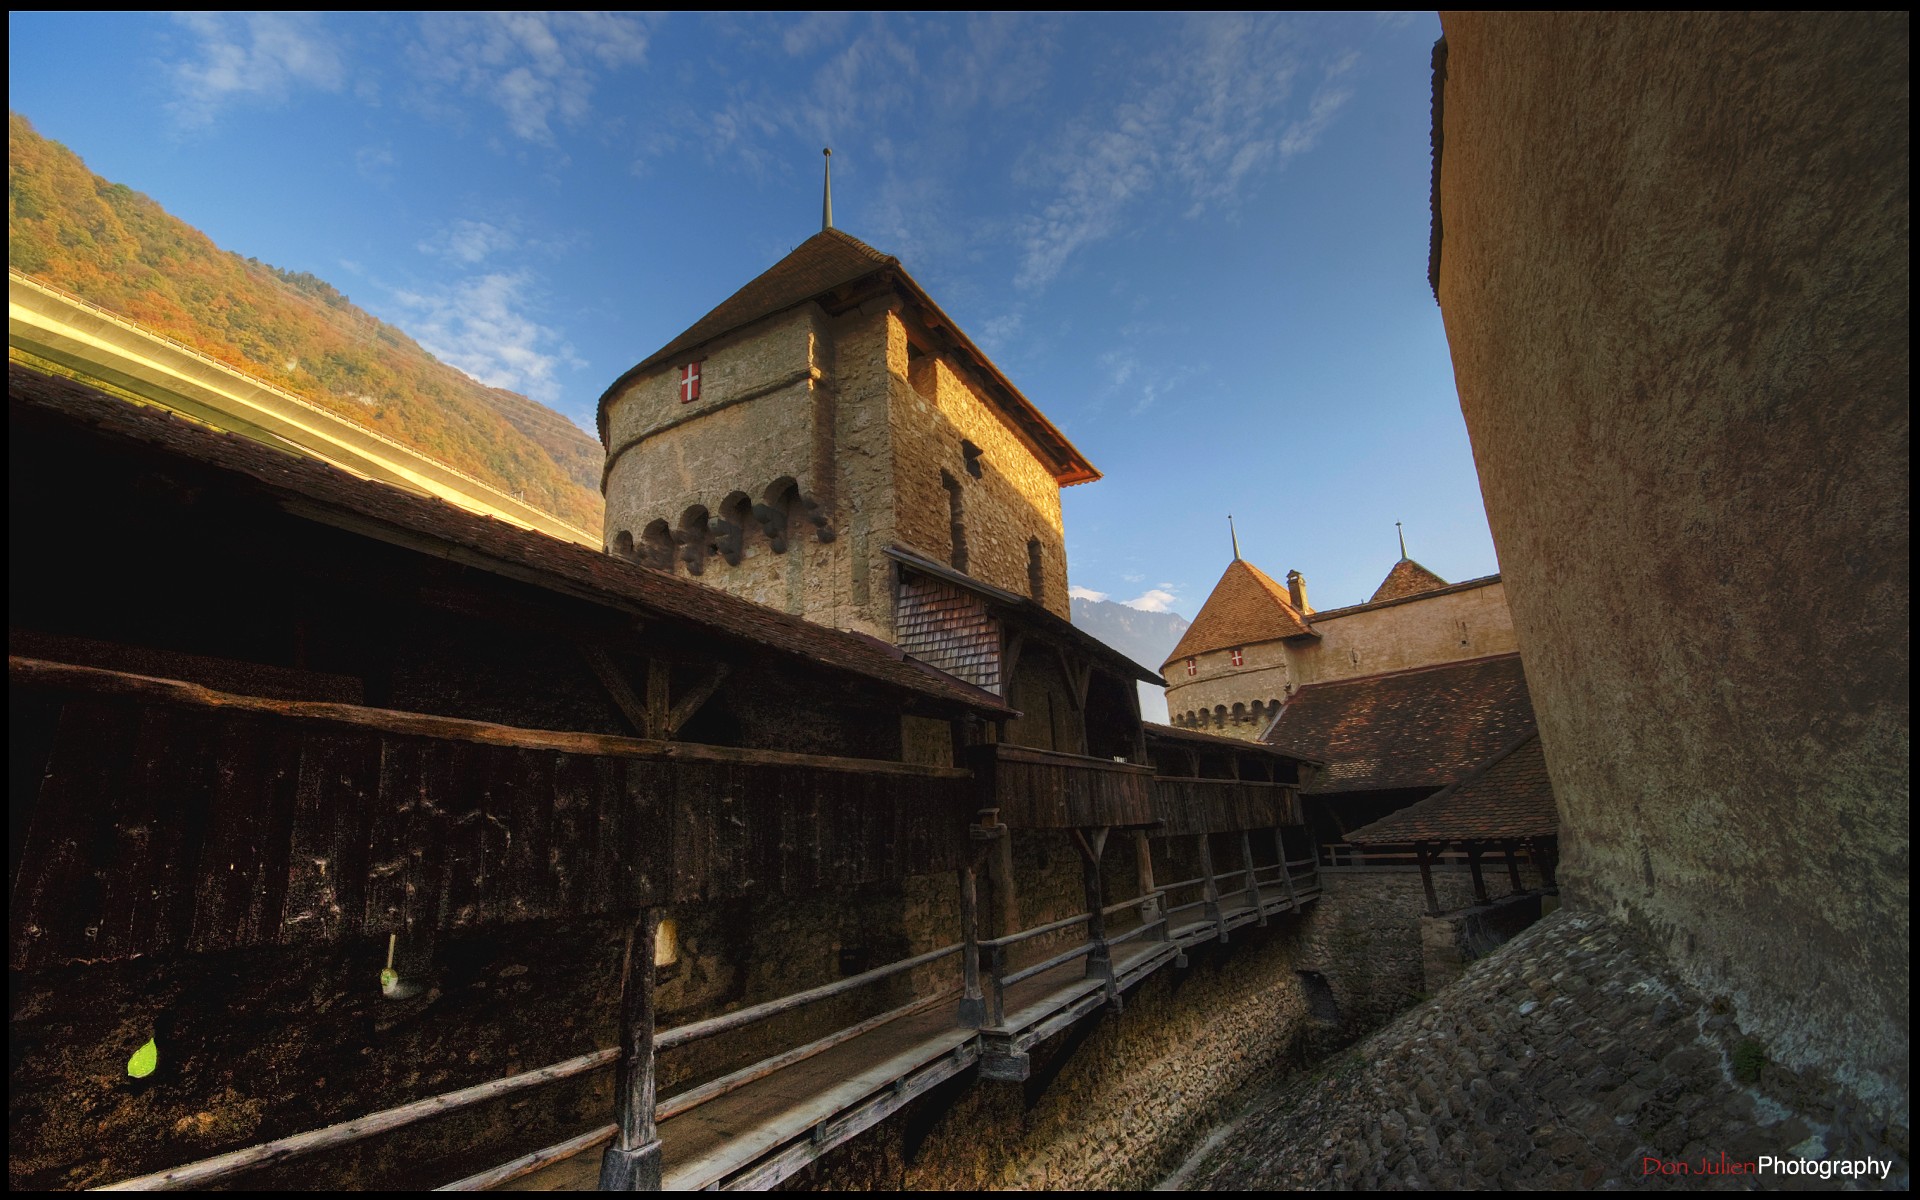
x: 1427, y: 727
x: 1509, y: 798
x: 830, y: 260
x: 560, y: 566
x: 1408, y: 578
x: 1245, y: 607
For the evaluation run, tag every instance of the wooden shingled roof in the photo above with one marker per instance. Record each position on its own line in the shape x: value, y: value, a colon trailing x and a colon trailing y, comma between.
x: 1244, y: 608
x: 1507, y: 799
x: 1408, y: 578
x: 1428, y: 727
x: 313, y: 489
x: 834, y: 264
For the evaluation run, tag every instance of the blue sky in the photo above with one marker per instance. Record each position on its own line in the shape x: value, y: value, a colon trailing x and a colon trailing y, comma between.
x: 1197, y: 242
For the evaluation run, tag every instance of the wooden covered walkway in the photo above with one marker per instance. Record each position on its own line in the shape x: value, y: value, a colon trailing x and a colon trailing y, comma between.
x: 755, y: 1137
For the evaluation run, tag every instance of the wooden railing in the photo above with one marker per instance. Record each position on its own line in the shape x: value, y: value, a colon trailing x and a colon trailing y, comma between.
x: 1044, y: 789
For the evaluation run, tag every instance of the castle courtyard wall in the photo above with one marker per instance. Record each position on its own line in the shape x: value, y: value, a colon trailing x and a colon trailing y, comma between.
x: 1673, y: 258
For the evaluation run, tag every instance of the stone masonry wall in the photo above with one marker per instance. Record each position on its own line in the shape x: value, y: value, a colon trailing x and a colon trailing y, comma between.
x: 1419, y: 633
x: 1674, y: 272
x: 1572, y: 1057
x: 1014, y: 499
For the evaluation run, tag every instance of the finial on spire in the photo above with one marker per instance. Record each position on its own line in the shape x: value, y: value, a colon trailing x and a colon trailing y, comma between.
x: 1403, y: 541
x: 826, y: 201
x: 1234, y: 536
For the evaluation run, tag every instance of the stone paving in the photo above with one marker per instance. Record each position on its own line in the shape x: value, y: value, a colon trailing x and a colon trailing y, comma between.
x: 1566, y: 1059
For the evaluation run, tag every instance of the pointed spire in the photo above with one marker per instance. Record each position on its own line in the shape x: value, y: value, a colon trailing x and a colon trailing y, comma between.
x: 1234, y: 536
x: 1403, y: 541
x: 826, y: 200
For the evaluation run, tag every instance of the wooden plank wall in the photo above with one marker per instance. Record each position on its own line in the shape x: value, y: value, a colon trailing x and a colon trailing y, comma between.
x: 1223, y: 805
x: 1041, y: 789
x: 161, y: 826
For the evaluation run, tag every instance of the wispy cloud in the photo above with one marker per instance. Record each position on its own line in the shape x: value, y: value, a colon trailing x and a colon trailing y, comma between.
x: 540, y: 69
x: 1156, y: 600
x: 467, y: 241
x: 1084, y: 593
x: 1199, y: 123
x: 480, y: 326
x: 259, y: 57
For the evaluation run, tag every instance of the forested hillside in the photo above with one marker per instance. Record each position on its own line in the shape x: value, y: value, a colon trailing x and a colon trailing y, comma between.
x: 114, y: 247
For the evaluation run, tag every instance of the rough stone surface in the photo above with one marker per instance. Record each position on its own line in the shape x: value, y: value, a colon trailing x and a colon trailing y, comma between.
x: 1674, y: 273
x: 1565, y: 1059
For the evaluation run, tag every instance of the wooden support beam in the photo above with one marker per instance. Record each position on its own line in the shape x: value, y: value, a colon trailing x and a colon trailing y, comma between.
x: 632, y: 1162
x: 690, y: 703
x: 1253, y: 882
x: 1092, y: 844
x: 973, y: 1007
x: 1002, y: 891
x: 1143, y: 867
x: 1513, y: 869
x: 659, y: 704
x: 1286, y: 872
x: 1423, y: 854
x: 1479, y: 880
x: 1212, y: 893
x: 624, y: 698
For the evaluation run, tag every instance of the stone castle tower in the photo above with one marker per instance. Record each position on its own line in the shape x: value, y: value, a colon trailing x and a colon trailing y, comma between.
x: 1255, y: 643
x: 823, y: 425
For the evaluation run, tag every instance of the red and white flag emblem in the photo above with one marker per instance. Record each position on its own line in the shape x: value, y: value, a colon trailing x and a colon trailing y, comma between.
x: 690, y: 383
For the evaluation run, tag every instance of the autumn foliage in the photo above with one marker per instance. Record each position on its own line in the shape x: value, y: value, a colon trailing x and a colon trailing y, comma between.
x: 116, y: 248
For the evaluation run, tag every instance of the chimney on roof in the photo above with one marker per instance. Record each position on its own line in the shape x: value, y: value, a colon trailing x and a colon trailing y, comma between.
x: 1297, y: 590
x: 826, y: 199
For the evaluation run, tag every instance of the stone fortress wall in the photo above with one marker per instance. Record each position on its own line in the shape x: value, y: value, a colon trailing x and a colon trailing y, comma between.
x: 1673, y: 257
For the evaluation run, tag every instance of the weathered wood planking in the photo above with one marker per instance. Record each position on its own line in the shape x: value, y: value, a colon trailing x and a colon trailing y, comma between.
x: 163, y: 823
x: 1223, y: 805
x: 1042, y: 789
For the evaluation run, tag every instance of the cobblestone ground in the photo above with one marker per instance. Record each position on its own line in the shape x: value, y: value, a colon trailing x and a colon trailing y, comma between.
x: 1565, y: 1059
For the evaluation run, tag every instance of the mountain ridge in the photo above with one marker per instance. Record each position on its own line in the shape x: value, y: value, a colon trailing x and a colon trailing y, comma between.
x: 115, y: 248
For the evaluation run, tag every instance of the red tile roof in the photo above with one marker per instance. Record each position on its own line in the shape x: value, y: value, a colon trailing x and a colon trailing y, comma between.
x: 1408, y: 578
x: 546, y: 561
x: 1245, y: 607
x: 831, y: 260
x: 1508, y: 799
x: 1328, y: 614
x: 1427, y: 727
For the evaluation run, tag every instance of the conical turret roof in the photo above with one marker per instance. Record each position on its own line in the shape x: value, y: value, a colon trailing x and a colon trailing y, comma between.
x: 1408, y: 578
x: 1245, y: 607
x: 834, y: 262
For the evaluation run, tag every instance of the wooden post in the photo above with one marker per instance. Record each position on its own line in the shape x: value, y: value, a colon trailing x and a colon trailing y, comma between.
x: 973, y: 1008
x: 1213, y: 910
x: 1479, y: 880
x: 1513, y: 870
x: 1286, y: 872
x: 1423, y: 853
x: 1006, y: 900
x: 1253, y: 881
x: 997, y: 999
x: 658, y: 702
x: 1151, y: 909
x: 1092, y: 844
x: 632, y: 1161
